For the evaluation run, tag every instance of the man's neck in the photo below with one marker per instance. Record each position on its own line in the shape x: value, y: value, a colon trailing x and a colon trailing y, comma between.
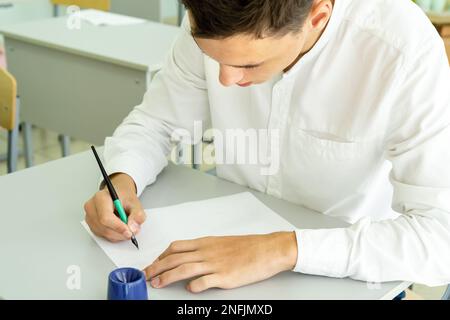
x: 310, y: 43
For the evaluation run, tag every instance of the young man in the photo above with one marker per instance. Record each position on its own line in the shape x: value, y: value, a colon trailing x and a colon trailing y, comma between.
x: 356, y: 96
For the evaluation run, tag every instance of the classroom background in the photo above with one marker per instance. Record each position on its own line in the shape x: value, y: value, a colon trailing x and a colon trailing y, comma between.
x: 37, y: 144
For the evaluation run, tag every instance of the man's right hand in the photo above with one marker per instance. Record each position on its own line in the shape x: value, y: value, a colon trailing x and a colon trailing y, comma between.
x: 100, y: 210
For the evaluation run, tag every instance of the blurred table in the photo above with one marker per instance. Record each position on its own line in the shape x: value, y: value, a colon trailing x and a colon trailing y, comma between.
x: 83, y: 82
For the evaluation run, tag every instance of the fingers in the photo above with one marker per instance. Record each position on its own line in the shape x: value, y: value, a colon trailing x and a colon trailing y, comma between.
x: 182, y: 272
x: 106, y: 217
x: 180, y: 261
x: 101, y: 218
x: 204, y: 283
x: 97, y: 228
x: 136, y: 216
x: 171, y: 262
x: 180, y: 246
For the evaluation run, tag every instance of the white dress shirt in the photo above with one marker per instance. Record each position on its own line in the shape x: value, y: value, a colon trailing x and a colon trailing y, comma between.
x: 364, y: 136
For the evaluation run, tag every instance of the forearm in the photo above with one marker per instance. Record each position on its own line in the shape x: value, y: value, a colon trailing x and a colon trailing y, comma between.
x: 412, y: 248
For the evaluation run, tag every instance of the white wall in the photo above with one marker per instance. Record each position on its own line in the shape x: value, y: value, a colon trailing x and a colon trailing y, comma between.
x: 169, y: 8
x: 157, y: 10
x: 14, y: 11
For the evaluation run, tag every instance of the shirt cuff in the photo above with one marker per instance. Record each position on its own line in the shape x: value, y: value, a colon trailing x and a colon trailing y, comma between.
x: 323, y: 252
x: 132, y: 166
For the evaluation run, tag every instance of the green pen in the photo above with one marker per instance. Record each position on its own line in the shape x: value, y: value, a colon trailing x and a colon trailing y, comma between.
x: 117, y: 204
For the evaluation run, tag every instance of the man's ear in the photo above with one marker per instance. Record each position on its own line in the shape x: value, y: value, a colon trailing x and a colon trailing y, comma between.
x: 320, y: 14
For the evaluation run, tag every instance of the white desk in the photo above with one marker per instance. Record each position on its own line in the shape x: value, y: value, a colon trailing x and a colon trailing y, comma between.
x: 83, y: 83
x: 41, y: 236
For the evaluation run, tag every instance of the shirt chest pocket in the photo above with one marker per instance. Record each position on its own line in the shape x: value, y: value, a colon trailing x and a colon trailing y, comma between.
x: 329, y: 148
x: 330, y: 164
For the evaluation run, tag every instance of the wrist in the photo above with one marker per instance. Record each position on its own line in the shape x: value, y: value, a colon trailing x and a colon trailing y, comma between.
x: 123, y: 182
x: 288, y: 251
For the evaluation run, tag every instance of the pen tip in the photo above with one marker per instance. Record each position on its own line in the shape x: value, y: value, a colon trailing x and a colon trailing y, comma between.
x: 133, y: 239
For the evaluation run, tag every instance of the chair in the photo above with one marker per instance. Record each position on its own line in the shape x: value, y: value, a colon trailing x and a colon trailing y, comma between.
x: 26, y: 127
x: 9, y: 116
x: 2, y: 58
x: 104, y: 5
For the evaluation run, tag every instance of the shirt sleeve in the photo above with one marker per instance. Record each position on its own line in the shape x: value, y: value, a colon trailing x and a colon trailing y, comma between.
x: 416, y: 246
x: 176, y: 99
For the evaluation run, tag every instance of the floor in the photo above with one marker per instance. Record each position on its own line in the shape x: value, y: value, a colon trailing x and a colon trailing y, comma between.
x: 46, y: 148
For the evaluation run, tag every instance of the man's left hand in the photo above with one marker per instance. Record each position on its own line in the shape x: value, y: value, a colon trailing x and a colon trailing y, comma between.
x: 224, y: 262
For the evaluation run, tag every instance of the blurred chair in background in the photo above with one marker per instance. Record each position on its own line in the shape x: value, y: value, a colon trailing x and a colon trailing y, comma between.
x: 104, y: 5
x: 9, y: 118
x: 2, y: 58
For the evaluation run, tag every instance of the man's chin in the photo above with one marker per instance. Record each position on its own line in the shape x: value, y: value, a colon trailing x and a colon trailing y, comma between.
x: 251, y: 83
x: 246, y: 84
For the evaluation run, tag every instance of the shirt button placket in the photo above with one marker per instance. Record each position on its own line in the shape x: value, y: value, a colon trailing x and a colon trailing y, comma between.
x: 273, y: 185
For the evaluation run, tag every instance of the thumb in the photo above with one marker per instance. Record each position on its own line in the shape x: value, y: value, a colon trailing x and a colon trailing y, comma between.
x: 136, y: 219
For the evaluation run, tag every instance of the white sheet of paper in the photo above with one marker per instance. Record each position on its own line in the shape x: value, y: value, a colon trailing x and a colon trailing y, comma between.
x: 238, y: 214
x: 102, y: 18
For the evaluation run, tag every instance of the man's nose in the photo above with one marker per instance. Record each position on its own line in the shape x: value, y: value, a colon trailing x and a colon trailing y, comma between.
x: 230, y: 75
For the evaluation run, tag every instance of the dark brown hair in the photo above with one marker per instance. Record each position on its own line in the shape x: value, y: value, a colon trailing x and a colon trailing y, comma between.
x: 260, y: 18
